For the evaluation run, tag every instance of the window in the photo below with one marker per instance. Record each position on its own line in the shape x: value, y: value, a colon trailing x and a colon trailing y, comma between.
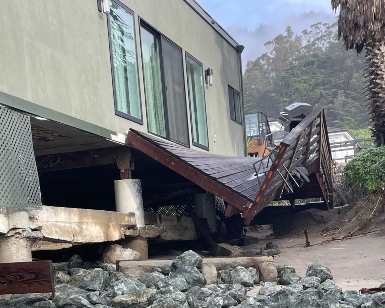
x: 235, y: 105
x: 197, y: 102
x: 164, y: 86
x: 124, y: 62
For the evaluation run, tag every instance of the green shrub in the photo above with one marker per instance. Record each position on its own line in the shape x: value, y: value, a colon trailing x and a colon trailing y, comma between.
x: 366, y: 172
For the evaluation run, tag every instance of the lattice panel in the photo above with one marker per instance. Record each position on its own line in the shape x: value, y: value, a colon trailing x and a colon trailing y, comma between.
x: 19, y: 181
x: 177, y: 209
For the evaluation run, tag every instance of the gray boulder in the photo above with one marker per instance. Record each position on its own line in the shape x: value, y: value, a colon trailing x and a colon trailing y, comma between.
x: 168, y: 303
x: 125, y: 286
x: 178, y: 282
x: 142, y: 299
x: 287, y: 278
x: 60, y: 266
x: 254, y: 272
x: 61, y: 277
x: 171, y: 293
x: 239, y: 275
x: 70, y: 296
x: 310, y: 282
x: 75, y: 262
x: 318, y: 270
x: 242, y: 276
x: 250, y: 302
x: 378, y: 300
x: 267, y: 288
x: 154, y: 280
x: 305, y: 299
x: 188, y: 258
x: 30, y: 300
x: 328, y: 285
x: 235, y: 291
x: 91, y: 280
x: 197, y: 297
x: 192, y: 275
x: 354, y: 298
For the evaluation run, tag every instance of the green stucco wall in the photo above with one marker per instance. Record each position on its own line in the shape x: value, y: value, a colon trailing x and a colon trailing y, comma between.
x: 55, y: 54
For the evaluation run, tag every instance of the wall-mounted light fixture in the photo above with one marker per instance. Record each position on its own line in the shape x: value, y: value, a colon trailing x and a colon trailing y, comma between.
x: 209, y: 76
x: 104, y: 6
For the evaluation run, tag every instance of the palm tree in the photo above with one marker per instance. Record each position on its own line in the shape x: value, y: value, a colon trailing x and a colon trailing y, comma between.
x: 361, y: 25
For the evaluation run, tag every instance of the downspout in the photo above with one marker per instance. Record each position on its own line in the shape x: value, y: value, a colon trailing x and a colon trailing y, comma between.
x: 240, y: 49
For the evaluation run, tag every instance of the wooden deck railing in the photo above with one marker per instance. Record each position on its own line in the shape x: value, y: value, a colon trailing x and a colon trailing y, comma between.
x: 306, y: 145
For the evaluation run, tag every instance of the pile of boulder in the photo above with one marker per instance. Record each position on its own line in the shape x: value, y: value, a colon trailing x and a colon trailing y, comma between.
x: 85, y: 284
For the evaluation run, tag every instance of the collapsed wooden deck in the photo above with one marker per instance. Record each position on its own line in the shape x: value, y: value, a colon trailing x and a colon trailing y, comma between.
x: 248, y: 184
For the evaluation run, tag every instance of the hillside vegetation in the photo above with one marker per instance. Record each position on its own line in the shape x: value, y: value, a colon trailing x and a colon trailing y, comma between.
x: 311, y: 67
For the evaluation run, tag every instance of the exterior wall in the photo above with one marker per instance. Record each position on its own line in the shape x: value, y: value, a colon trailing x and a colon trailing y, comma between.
x: 56, y: 59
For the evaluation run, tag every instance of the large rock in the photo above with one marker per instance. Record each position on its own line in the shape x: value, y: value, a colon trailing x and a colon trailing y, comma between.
x: 142, y: 299
x: 237, y: 275
x: 378, y: 300
x: 117, y: 252
x: 354, y: 298
x: 287, y: 275
x: 254, y: 272
x: 310, y: 282
x: 250, y: 302
x: 126, y: 286
x: 70, y: 296
x: 30, y: 300
x: 178, y: 282
x: 189, y: 258
x: 267, y: 288
x: 234, y: 291
x: 154, y: 280
x: 192, y: 275
x: 91, y: 280
x: 318, y: 270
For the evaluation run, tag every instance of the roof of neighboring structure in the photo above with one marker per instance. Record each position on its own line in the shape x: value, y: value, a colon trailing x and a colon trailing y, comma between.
x: 231, y: 178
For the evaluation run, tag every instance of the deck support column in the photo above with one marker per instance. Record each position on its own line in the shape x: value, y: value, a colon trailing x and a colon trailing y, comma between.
x: 204, y: 204
x: 138, y: 244
x: 128, y: 199
x: 16, y: 245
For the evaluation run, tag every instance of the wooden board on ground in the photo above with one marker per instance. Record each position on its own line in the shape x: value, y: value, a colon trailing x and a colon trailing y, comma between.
x: 26, y: 277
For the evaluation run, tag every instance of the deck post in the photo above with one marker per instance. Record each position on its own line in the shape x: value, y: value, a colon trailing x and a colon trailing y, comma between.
x: 15, y: 246
x: 128, y: 199
x: 204, y: 205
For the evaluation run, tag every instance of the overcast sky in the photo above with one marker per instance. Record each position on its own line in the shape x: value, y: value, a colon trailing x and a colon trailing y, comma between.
x: 242, y: 19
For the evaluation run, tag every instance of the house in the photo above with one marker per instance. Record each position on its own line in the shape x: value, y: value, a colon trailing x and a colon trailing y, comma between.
x: 86, y: 76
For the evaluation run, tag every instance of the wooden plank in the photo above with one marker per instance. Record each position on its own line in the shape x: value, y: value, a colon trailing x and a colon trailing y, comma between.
x: 189, y: 172
x: 255, y: 207
x: 26, y: 277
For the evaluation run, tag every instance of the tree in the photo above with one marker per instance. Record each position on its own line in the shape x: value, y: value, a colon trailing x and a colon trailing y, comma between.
x: 361, y: 25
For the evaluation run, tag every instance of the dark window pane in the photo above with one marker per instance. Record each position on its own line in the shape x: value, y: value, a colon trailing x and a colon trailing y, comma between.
x: 175, y: 94
x: 231, y: 103
x: 238, y: 108
x: 197, y: 102
x: 235, y: 105
x: 125, y: 70
x: 153, y: 83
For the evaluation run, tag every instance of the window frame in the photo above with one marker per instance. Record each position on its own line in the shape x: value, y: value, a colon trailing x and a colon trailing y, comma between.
x: 159, y: 35
x: 117, y: 112
x: 232, y: 105
x: 207, y: 148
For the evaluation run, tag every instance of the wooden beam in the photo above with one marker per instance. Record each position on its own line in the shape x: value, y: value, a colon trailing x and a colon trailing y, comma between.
x: 256, y: 207
x: 75, y: 160
x: 26, y: 277
x: 75, y: 148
